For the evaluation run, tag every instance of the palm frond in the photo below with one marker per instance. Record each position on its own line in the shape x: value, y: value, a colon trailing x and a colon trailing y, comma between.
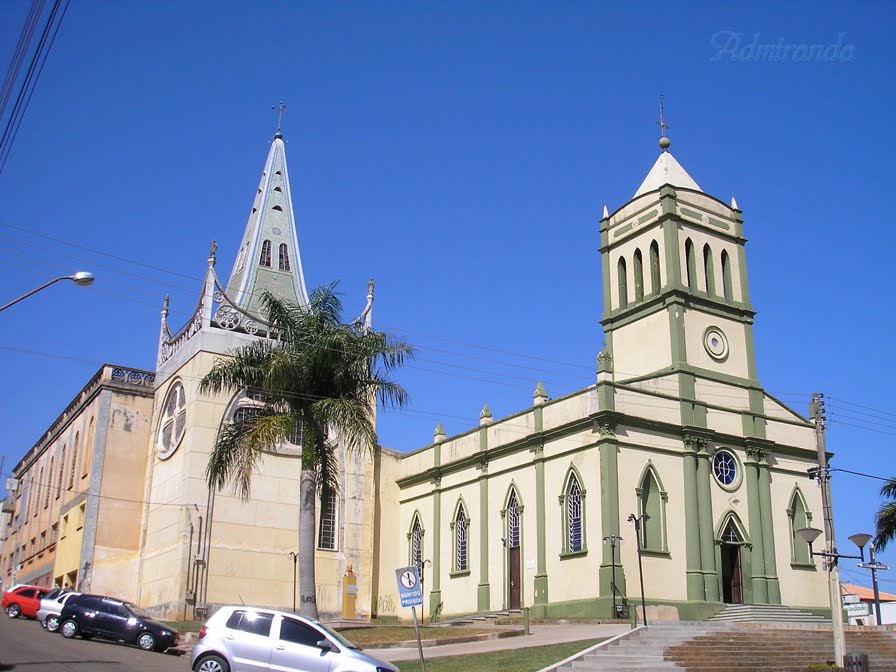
x: 245, y: 367
x: 888, y: 489
x: 351, y: 418
x: 885, y: 522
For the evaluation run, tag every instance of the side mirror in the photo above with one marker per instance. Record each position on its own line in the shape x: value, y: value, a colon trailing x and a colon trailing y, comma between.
x: 324, y: 644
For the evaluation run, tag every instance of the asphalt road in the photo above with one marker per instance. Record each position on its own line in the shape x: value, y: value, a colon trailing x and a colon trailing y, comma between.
x: 27, y: 647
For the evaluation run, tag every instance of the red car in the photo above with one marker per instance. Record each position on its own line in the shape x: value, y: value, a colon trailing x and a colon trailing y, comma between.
x: 23, y: 601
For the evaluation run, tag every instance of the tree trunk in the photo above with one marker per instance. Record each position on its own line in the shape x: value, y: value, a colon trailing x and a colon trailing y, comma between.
x: 307, y: 509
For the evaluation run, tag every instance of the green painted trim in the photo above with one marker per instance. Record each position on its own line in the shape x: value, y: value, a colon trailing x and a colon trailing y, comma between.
x: 541, y: 592
x: 650, y: 469
x: 609, y: 516
x: 573, y: 554
x: 573, y: 472
x: 803, y: 566
x: 453, y: 574
x: 622, y: 229
x: 594, y: 608
x: 655, y: 553
x: 436, y: 540
x: 693, y: 564
x: 672, y: 254
x: 484, y: 601
x: 704, y: 522
x: 757, y: 554
x: 742, y: 269
x: 768, y: 533
x: 677, y: 295
x: 483, y: 597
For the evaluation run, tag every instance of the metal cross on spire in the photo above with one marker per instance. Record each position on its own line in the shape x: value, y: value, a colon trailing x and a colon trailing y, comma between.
x: 281, y: 108
x: 664, y: 141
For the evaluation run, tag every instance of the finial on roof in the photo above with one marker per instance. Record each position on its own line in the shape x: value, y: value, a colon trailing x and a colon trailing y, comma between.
x: 606, y: 212
x: 165, y: 305
x: 734, y: 203
x: 664, y: 141
x: 541, y: 395
x: 485, y: 417
x: 439, y: 435
x: 280, y: 109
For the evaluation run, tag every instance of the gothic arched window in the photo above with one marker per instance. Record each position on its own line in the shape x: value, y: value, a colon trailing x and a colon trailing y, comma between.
x: 173, y: 423
x: 709, y: 270
x: 573, y: 502
x: 326, y: 533
x: 265, y: 254
x: 654, y: 267
x: 284, y: 257
x: 691, y: 264
x: 416, y: 539
x: 61, y: 472
x: 652, y: 501
x: 461, y: 526
x: 799, y: 518
x: 513, y: 521
x: 639, y: 276
x: 727, y: 290
x: 622, y: 281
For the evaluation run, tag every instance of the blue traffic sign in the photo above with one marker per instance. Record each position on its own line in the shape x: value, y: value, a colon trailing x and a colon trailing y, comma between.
x: 409, y: 589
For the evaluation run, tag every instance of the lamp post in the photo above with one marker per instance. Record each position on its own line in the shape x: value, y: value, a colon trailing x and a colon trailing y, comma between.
x: 81, y: 278
x: 295, y: 561
x: 874, y: 566
x: 810, y: 534
x: 637, y: 521
x: 613, y: 540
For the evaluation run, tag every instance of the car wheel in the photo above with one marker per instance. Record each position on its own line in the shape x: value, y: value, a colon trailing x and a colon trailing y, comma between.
x: 13, y: 611
x: 69, y: 629
x: 146, y: 642
x: 212, y: 663
x: 51, y: 623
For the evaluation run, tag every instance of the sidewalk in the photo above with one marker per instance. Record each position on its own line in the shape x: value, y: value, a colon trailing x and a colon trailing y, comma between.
x: 541, y: 635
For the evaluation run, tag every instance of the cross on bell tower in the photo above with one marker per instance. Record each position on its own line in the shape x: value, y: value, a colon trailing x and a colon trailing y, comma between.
x: 664, y: 141
x: 280, y: 109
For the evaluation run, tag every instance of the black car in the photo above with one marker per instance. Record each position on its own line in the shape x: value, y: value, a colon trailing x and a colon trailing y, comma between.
x: 106, y: 617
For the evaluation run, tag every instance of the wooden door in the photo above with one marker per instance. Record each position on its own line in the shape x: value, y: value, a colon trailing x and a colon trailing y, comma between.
x: 737, y: 585
x: 514, y: 591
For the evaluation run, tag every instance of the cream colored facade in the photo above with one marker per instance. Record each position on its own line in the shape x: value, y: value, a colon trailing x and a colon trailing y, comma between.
x: 675, y: 431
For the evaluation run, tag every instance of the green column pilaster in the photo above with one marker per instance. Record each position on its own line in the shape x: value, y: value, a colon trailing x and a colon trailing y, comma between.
x: 540, y: 602
x: 768, y: 533
x: 484, y: 592
x: 435, y: 593
x: 693, y: 565
x: 757, y: 554
x: 609, y: 519
x: 704, y: 520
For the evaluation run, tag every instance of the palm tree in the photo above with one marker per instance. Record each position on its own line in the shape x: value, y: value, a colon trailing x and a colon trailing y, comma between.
x: 317, y: 376
x: 886, y: 516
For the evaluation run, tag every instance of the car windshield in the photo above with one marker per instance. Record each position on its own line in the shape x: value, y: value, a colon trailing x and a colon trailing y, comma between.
x: 335, y: 635
x: 137, y: 611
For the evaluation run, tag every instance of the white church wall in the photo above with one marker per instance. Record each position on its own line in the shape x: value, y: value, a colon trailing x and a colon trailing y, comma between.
x: 648, y: 405
x: 789, y: 434
x: 642, y: 347
x: 565, y: 410
x: 696, y: 323
x: 725, y: 422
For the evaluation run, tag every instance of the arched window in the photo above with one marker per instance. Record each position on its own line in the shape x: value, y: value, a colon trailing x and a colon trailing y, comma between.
x: 88, y: 447
x: 50, y: 474
x: 513, y: 521
x: 727, y: 289
x: 573, y: 502
x: 623, y: 283
x: 691, y: 264
x: 709, y: 270
x: 37, y: 491
x: 71, y: 477
x: 415, y: 536
x: 654, y: 267
x: 60, y: 484
x: 265, y: 254
x: 460, y: 527
x: 799, y: 518
x: 639, y: 276
x: 652, y: 501
x: 173, y: 423
x: 326, y: 533
x: 284, y: 257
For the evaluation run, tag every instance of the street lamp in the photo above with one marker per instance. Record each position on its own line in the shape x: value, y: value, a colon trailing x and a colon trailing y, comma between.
x: 637, y: 521
x: 613, y: 540
x: 810, y: 534
x: 81, y: 278
x: 295, y: 560
x: 874, y: 566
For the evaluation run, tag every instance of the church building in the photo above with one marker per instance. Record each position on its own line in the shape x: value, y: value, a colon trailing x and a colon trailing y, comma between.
x: 675, y: 449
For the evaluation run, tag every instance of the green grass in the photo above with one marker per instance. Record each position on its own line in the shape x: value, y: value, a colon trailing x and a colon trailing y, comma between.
x: 518, y: 660
x: 389, y: 634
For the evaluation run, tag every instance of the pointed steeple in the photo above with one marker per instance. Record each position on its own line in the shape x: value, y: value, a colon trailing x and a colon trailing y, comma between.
x: 666, y: 170
x: 268, y: 258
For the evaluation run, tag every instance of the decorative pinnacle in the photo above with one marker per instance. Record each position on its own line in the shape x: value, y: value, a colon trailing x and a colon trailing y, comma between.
x: 541, y: 395
x: 734, y: 203
x: 664, y: 141
x: 485, y: 416
x: 165, y: 305
x: 439, y: 435
x: 606, y: 212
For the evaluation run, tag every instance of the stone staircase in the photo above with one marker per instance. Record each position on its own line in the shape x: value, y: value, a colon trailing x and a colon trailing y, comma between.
x: 766, y: 613
x: 483, y: 617
x: 734, y: 646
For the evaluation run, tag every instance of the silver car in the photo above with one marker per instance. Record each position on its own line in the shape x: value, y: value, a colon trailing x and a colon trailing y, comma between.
x: 248, y: 639
x: 51, y: 606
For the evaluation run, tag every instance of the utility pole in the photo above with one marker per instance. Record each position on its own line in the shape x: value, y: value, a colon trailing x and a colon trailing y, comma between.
x: 816, y: 410
x: 875, y: 566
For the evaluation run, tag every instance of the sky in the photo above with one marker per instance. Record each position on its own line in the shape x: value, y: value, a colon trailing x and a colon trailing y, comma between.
x: 460, y: 153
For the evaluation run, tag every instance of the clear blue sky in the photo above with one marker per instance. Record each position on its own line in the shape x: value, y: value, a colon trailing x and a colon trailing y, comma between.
x: 461, y: 154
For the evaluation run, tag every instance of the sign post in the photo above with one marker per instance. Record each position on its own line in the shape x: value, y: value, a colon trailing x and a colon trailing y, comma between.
x: 411, y: 594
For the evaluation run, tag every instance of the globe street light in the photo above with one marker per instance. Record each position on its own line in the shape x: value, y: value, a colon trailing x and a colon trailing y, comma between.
x: 613, y: 540
x: 81, y: 278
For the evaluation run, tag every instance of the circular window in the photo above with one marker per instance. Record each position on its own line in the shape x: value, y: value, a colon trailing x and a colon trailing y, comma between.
x: 724, y: 467
x: 276, y: 231
x: 173, y: 422
x: 715, y: 343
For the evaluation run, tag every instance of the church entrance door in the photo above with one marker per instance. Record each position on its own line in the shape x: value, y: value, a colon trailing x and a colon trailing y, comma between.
x: 514, y: 588
x: 732, y: 576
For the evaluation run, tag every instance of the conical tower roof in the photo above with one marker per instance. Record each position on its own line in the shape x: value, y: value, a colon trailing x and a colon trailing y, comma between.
x: 268, y: 258
x: 666, y: 170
